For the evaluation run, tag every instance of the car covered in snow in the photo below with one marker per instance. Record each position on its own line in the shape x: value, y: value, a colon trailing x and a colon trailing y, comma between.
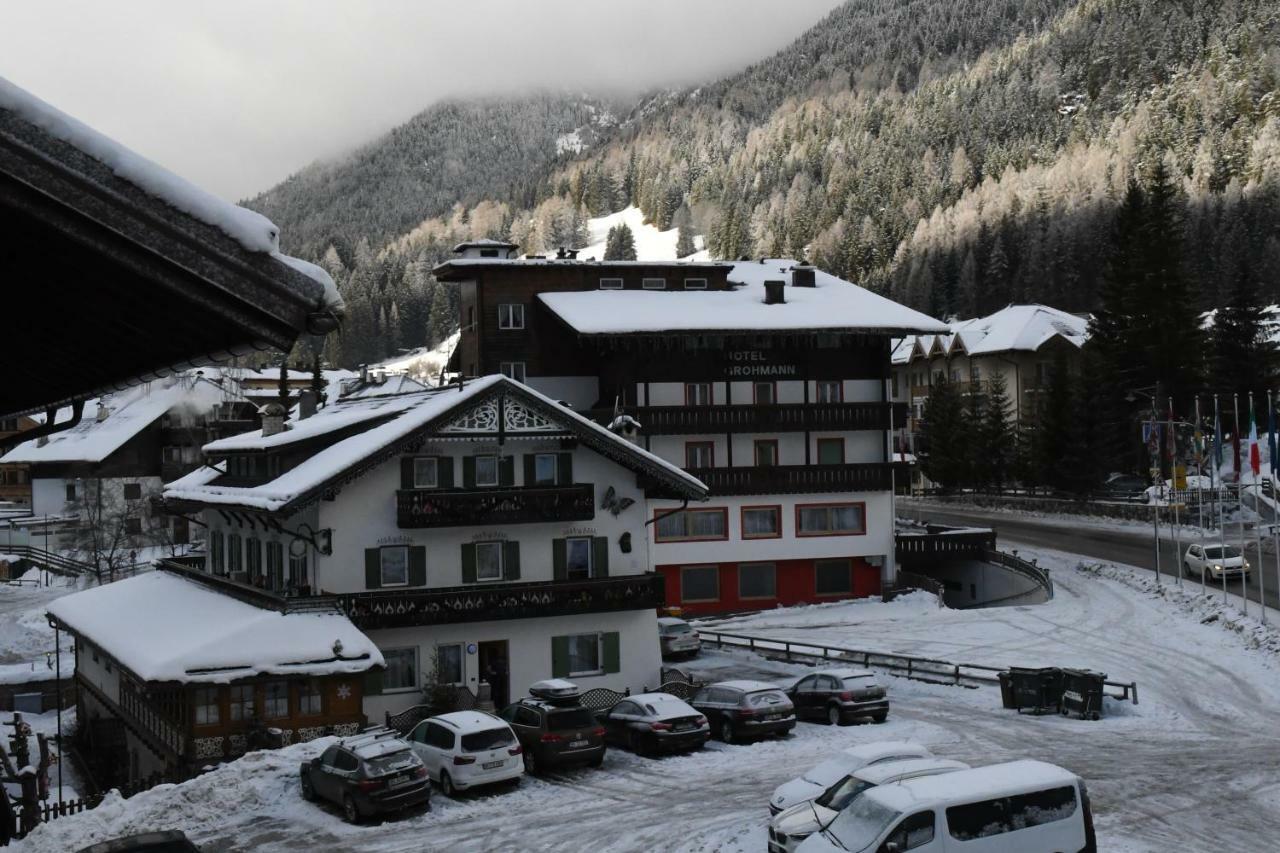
x: 554, y: 729
x: 839, y: 696
x: 822, y: 776
x: 1019, y: 806
x: 1215, y: 561
x: 677, y: 638
x: 793, y: 825
x: 649, y: 723
x: 745, y: 710
x: 467, y: 749
x: 370, y: 773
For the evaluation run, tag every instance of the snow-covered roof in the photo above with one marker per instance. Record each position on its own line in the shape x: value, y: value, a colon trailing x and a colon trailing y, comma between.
x: 994, y: 780
x: 163, y: 627
x: 484, y: 243
x: 663, y: 705
x: 1024, y: 328
x: 832, y: 304
x: 129, y: 412
x: 847, y: 672
x: 747, y: 686
x: 471, y: 721
x: 388, y: 421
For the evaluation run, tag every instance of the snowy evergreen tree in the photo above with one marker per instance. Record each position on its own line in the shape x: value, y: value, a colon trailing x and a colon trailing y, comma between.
x: 620, y: 245
x: 684, y: 243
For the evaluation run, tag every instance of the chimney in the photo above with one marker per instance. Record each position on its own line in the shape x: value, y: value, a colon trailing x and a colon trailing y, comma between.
x: 803, y: 276
x: 306, y: 404
x: 773, y: 293
x: 273, y: 415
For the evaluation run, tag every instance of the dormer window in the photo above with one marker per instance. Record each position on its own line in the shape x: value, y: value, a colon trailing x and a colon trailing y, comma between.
x: 488, y: 253
x: 695, y: 284
x: 611, y: 284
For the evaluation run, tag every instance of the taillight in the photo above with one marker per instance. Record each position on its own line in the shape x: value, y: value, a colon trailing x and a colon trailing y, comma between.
x: 515, y: 750
x: 701, y: 721
x: 598, y: 732
x: 464, y: 759
x: 746, y: 712
x: 846, y: 696
x: 420, y: 773
x: 660, y: 727
x: 551, y: 737
x: 371, y: 784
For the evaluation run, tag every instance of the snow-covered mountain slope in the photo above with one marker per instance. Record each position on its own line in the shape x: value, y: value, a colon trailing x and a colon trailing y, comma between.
x: 651, y: 244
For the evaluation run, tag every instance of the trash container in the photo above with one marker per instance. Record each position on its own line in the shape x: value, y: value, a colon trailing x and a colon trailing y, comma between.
x: 1082, y: 693
x: 1036, y: 690
x: 1006, y: 691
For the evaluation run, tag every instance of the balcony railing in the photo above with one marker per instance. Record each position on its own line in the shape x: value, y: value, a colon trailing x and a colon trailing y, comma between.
x: 797, y: 479
x: 449, y: 508
x: 477, y: 603
x: 786, y: 417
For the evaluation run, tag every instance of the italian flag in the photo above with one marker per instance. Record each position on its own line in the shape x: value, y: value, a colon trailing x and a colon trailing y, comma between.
x: 1255, y: 453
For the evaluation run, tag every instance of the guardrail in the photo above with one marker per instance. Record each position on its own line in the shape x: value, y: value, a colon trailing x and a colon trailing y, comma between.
x: 1026, y: 568
x: 929, y: 670
x: 51, y: 562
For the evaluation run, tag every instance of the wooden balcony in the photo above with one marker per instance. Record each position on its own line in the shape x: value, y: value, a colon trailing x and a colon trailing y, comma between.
x: 799, y: 479
x: 797, y: 417
x: 417, y: 508
x: 485, y: 602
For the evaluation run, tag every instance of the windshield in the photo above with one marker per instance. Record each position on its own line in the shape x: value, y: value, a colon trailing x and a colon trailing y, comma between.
x: 574, y: 718
x: 1222, y: 552
x: 682, y: 628
x: 839, y: 795
x: 860, y: 682
x: 487, y: 739
x: 858, y: 826
x: 766, y: 697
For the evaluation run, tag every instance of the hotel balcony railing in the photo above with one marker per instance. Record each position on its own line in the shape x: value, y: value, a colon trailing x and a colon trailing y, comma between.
x: 798, y: 479
x: 459, y: 508
x: 783, y: 417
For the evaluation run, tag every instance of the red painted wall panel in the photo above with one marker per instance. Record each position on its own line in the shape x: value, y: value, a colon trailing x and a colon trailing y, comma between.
x: 795, y: 584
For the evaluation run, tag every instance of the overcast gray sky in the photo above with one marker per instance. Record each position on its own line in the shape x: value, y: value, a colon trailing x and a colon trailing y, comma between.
x: 236, y: 94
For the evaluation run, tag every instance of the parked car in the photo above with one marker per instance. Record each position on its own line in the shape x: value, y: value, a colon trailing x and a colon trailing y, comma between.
x: 789, y: 828
x: 822, y: 776
x: 1126, y: 487
x: 1020, y: 805
x: 649, y: 723
x: 840, y: 696
x: 467, y: 749
x: 1216, y: 561
x: 677, y: 638
x: 554, y: 729
x: 164, y: 841
x: 374, y: 772
x: 744, y: 710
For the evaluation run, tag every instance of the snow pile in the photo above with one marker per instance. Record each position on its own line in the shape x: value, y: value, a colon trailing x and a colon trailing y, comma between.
x: 651, y: 244
x: 166, y: 628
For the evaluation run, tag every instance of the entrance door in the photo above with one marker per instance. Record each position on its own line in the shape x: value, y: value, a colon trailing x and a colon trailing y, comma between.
x: 495, y: 669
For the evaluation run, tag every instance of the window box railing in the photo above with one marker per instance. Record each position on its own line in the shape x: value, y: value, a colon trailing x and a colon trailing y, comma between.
x: 783, y: 417
x: 798, y: 479
x: 460, y: 508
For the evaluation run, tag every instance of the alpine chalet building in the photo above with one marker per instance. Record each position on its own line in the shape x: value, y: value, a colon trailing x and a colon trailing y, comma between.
x: 768, y: 381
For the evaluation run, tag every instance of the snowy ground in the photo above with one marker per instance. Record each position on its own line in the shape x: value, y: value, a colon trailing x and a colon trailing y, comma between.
x: 1191, y: 768
x: 26, y: 640
x: 651, y: 244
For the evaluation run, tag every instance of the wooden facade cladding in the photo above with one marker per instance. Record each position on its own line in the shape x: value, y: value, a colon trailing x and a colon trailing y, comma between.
x: 795, y: 417
x: 799, y: 479
x: 416, y: 508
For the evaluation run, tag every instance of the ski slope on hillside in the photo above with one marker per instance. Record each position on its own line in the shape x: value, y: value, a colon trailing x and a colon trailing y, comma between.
x: 651, y: 244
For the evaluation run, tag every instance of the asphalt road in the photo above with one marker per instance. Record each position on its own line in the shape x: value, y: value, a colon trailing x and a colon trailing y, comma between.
x: 1118, y: 546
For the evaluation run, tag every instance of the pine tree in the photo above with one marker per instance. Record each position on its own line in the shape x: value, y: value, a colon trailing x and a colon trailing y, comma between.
x: 317, y: 381
x: 944, y: 437
x: 1242, y: 356
x: 620, y: 245
x: 444, y: 319
x: 996, y: 444
x: 684, y: 242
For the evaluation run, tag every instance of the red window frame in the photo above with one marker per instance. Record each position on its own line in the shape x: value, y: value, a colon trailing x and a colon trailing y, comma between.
x: 755, y: 451
x: 848, y: 568
x: 773, y: 393
x: 703, y: 567
x: 862, y: 504
x: 839, y: 390
x: 711, y: 393
x: 691, y: 444
x: 742, y: 521
x: 658, y: 537
x: 829, y: 439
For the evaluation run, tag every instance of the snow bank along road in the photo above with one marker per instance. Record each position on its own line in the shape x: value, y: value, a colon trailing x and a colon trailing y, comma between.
x: 1192, y: 768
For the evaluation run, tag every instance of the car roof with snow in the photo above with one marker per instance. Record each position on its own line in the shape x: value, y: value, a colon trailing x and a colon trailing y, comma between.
x: 883, y: 772
x: 882, y: 749
x: 843, y: 673
x: 995, y: 780
x: 467, y: 722
x: 746, y: 686
x: 671, y: 620
x: 662, y: 704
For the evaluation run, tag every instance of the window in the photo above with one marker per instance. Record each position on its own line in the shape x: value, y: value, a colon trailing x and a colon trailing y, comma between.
x: 584, y: 655
x: 511, y: 316
x: 133, y: 525
x: 975, y: 373
x: 217, y: 552
x: 275, y: 700
x: 133, y: 491
x: 275, y: 565
x: 695, y: 284
x: 915, y: 831
x: 578, y: 557
x: 71, y: 492
x: 402, y: 669
x: 309, y: 700
x: 253, y: 556
x: 693, y: 524
x: 171, y: 454
x: 449, y: 664
x: 833, y: 577
x: 9, y: 425
x: 831, y: 519
x: 426, y: 472
x: 486, y: 470
x: 395, y: 565
x: 207, y: 711
x: 700, y: 583
x: 611, y: 284
x: 233, y: 553
x: 489, y: 561
x: 829, y: 391
x: 831, y: 451
x: 766, y: 452
x: 653, y: 283
x: 757, y: 580
x: 513, y: 370
x: 697, y: 394
x: 544, y: 469
x: 298, y: 570
x: 699, y: 454
x: 242, y: 702
x: 765, y: 393
x: 761, y: 522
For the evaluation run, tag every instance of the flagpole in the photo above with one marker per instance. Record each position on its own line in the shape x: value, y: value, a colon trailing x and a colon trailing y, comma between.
x: 1262, y: 571
x: 1200, y: 454
x: 1217, y: 486
x: 1257, y: 498
x: 1173, y: 495
x: 1235, y: 443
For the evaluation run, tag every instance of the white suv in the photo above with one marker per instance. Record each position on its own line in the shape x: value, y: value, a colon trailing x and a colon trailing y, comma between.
x: 467, y: 749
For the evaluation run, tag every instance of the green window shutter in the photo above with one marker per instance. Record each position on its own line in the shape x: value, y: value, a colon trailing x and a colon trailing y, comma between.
x: 469, y: 563
x: 417, y: 565
x: 372, y: 682
x: 468, y: 472
x: 559, y: 560
x: 559, y: 657
x: 530, y: 469
x: 372, y: 568
x: 600, y: 556
x: 511, y: 561
x: 506, y: 470
x: 406, y: 472
x: 564, y: 469
x: 612, y: 652
x: 444, y: 472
